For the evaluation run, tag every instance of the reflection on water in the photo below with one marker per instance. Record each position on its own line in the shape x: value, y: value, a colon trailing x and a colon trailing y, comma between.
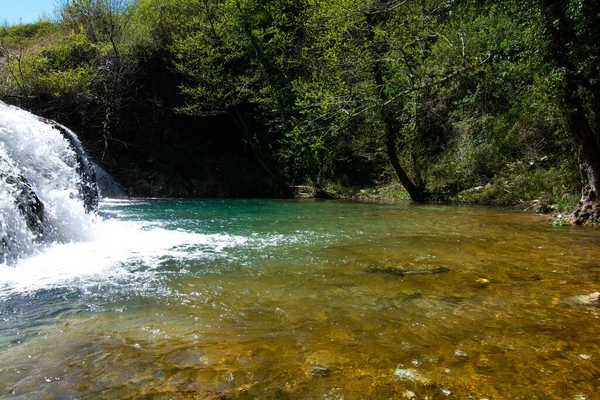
x: 307, y: 300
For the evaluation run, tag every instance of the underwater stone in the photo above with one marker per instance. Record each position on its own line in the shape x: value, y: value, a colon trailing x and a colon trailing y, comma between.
x: 319, y: 371
x: 408, y: 270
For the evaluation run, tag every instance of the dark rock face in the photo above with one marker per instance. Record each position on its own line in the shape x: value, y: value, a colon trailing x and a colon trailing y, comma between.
x: 26, y: 200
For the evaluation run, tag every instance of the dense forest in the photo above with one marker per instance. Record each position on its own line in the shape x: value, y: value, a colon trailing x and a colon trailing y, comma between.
x: 489, y: 102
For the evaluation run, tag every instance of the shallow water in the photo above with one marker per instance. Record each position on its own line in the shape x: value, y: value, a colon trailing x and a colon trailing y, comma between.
x: 305, y: 300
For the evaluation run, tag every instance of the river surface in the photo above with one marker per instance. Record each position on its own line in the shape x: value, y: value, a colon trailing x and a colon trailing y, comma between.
x: 304, y: 300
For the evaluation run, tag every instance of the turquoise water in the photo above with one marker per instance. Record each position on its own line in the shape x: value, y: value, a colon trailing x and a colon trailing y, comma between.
x: 304, y: 300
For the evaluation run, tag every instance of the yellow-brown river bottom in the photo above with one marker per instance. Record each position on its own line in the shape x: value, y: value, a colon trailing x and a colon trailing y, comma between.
x: 313, y: 300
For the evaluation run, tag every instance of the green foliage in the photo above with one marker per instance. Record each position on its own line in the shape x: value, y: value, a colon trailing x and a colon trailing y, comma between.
x: 559, y: 223
x: 41, y: 61
x: 317, y: 88
x: 12, y: 35
x: 520, y: 184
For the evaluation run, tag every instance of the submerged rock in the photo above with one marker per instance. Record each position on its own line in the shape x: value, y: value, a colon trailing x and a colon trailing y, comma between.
x: 460, y: 355
x: 408, y: 270
x: 319, y: 371
x: 183, y: 395
x: 523, y: 276
x: 321, y: 364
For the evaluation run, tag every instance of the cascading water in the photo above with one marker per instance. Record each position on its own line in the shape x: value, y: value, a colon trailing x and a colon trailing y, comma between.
x: 107, y: 186
x: 51, y: 235
x: 47, y: 185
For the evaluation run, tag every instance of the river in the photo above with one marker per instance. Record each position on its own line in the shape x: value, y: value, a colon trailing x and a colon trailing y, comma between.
x: 186, y: 299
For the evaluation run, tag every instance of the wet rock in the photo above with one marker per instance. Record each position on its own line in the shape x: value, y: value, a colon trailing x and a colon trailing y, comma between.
x: 27, y: 202
x: 304, y: 192
x: 541, y: 207
x: 408, y: 270
x: 26, y: 199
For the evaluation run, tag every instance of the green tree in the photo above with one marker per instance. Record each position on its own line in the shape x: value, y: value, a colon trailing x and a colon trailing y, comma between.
x: 107, y: 23
x: 379, y: 65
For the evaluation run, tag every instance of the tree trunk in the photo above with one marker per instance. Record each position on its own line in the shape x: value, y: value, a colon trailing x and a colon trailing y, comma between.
x: 415, y: 193
x: 562, y: 40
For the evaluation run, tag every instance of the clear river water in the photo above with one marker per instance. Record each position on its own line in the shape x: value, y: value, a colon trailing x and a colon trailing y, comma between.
x: 267, y: 299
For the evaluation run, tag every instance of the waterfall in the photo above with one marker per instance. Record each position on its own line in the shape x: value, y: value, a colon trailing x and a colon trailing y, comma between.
x: 48, y: 192
x: 107, y: 186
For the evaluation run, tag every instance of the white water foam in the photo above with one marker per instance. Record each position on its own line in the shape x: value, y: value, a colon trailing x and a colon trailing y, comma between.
x: 114, y: 251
